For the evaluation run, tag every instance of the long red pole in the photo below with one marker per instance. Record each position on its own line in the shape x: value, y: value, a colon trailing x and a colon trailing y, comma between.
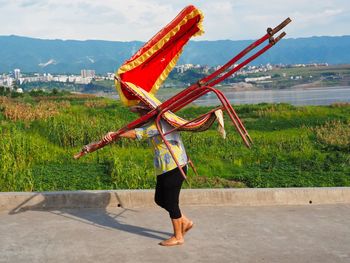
x: 235, y: 59
x: 270, y: 34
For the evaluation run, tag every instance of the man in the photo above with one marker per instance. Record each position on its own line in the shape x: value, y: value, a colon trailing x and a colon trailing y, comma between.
x: 169, y: 177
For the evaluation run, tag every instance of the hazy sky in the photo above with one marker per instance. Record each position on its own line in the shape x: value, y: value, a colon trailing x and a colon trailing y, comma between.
x: 126, y: 20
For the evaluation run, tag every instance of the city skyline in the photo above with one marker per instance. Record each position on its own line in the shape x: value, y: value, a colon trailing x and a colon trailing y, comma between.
x: 139, y: 20
x: 87, y: 75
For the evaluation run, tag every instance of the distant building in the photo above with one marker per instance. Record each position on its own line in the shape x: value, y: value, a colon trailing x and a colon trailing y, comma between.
x: 71, y: 78
x: 8, y: 82
x: 81, y: 80
x: 87, y: 73
x: 257, y: 79
x: 17, y: 73
x: 110, y: 76
x: 62, y: 78
x: 185, y: 67
x: 49, y: 77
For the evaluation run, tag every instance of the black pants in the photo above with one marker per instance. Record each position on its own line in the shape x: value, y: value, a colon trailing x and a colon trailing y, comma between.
x: 168, y: 190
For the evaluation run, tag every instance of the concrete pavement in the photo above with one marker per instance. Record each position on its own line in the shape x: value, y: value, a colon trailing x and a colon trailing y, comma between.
x: 305, y: 233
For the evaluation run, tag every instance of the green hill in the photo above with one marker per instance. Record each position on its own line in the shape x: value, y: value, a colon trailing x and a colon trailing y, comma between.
x: 70, y: 56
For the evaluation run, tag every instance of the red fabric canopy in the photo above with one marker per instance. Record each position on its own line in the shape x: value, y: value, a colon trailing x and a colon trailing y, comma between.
x: 151, y: 65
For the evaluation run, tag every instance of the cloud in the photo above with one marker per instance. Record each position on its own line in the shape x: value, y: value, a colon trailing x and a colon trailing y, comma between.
x: 31, y: 3
x: 140, y: 20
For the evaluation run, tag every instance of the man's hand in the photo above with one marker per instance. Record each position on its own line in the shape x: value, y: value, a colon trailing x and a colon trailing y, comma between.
x: 108, y: 137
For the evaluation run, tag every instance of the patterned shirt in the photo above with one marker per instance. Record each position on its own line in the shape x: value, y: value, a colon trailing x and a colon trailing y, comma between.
x: 163, y: 161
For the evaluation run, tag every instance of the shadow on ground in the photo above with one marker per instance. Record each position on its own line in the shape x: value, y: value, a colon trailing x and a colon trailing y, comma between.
x: 102, y: 219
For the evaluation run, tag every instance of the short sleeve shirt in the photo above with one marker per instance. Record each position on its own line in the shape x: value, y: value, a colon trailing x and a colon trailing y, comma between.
x: 163, y: 160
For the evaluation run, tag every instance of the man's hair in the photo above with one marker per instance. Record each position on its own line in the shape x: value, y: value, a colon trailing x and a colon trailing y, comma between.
x: 140, y: 108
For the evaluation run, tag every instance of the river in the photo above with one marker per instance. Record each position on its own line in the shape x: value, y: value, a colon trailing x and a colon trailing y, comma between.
x: 294, y: 96
x: 310, y: 96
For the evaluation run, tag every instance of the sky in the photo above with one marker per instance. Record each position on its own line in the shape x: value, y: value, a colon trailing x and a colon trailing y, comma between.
x: 127, y: 20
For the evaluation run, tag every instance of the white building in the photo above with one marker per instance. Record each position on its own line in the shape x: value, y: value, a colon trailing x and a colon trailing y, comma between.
x: 87, y: 73
x: 71, y: 78
x: 8, y: 82
x: 110, y: 76
x: 257, y: 79
x: 62, y: 78
x: 81, y: 80
x: 17, y: 73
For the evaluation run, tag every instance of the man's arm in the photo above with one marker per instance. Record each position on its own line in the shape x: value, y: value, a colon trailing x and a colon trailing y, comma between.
x: 131, y: 134
x: 138, y: 133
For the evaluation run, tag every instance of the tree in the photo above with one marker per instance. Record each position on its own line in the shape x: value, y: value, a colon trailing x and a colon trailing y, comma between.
x: 54, y: 91
x: 4, y: 91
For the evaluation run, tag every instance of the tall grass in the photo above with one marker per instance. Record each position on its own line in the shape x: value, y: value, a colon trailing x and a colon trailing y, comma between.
x: 77, y: 126
x: 334, y: 134
x: 15, y: 160
x: 131, y: 168
x: 293, y: 146
x: 18, y: 111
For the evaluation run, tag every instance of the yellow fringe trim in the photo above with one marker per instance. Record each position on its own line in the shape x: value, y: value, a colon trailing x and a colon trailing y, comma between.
x: 165, y: 73
x: 156, y: 85
x: 122, y: 97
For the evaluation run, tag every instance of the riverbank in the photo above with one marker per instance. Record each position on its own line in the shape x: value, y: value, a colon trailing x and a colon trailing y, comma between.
x: 297, y: 96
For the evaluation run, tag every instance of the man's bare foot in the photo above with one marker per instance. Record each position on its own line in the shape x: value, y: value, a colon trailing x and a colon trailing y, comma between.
x: 186, y: 226
x: 172, y: 242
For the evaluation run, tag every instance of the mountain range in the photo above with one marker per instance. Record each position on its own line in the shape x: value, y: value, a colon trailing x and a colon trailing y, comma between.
x: 70, y: 56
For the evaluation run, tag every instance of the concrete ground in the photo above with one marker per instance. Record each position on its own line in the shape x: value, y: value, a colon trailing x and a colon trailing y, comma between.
x: 313, y: 233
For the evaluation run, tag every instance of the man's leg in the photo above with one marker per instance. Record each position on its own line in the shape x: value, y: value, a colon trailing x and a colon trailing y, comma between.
x: 159, y: 193
x: 172, y: 186
x: 177, y: 238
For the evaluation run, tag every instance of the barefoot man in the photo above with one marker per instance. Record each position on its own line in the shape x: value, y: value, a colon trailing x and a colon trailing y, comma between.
x: 169, y: 177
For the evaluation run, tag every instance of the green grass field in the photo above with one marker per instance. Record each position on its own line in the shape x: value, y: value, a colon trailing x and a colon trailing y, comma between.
x: 293, y: 147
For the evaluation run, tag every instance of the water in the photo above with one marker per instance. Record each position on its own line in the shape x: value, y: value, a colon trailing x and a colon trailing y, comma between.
x: 311, y: 96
